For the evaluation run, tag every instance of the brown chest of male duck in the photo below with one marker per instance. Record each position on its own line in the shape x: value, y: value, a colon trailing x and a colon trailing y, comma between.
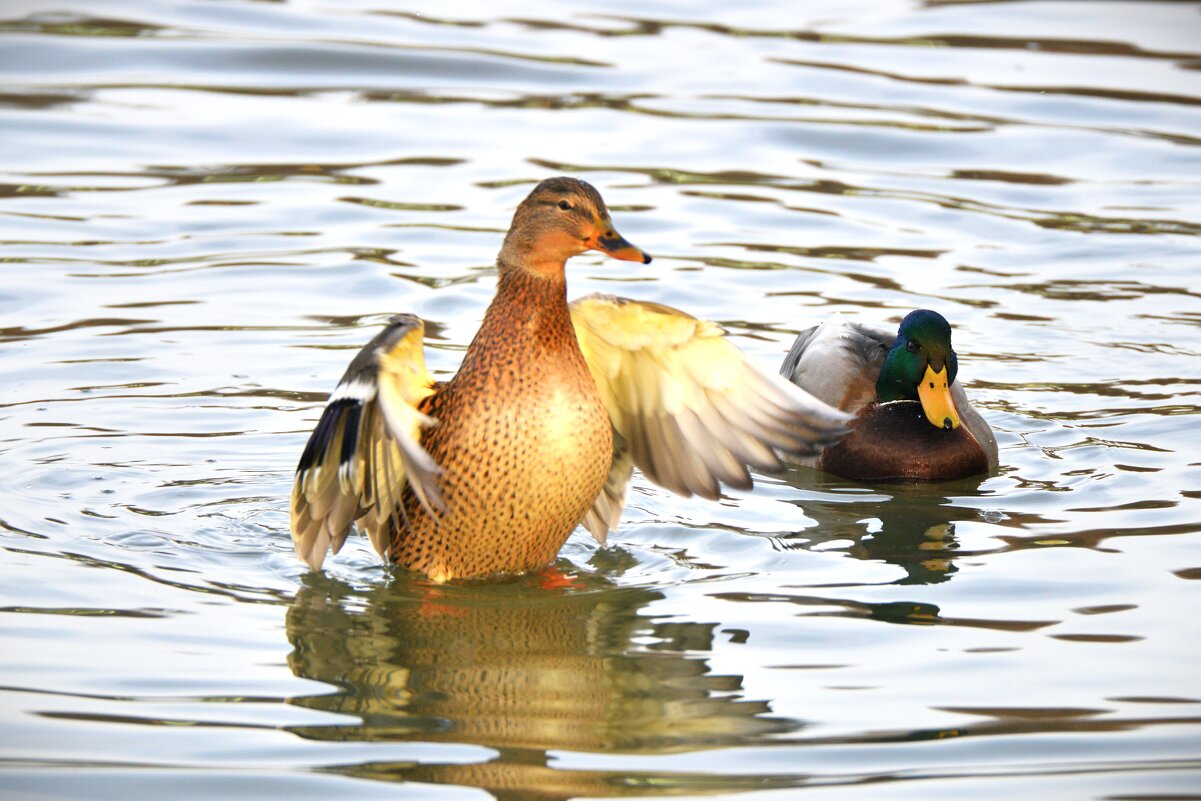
x: 895, y: 440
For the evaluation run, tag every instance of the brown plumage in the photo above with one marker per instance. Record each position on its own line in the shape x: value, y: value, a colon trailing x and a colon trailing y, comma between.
x: 524, y: 442
x: 490, y: 471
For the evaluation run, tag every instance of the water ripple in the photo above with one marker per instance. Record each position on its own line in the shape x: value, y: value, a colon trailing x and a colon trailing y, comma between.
x: 207, y: 208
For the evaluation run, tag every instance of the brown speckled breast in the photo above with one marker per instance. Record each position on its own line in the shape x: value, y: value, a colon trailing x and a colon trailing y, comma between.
x: 895, y: 441
x: 522, y: 437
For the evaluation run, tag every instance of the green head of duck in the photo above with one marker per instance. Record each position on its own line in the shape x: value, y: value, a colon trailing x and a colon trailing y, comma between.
x: 922, y: 366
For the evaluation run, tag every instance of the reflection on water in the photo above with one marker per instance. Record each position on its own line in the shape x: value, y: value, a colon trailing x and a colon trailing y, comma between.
x: 907, y: 526
x: 522, y: 670
x: 207, y: 207
x: 911, y: 525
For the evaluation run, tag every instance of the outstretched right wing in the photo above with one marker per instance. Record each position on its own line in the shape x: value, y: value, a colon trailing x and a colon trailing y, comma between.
x: 687, y: 407
x: 366, y: 447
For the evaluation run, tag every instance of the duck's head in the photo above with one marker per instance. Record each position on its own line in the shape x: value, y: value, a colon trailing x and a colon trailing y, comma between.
x: 921, y: 366
x: 561, y: 218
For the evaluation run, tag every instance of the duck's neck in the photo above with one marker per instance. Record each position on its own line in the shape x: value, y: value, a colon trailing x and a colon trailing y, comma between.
x: 894, y: 382
x: 528, y: 319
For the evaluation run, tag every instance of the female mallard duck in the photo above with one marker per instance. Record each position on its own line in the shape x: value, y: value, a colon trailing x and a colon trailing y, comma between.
x: 912, y: 418
x: 551, y: 409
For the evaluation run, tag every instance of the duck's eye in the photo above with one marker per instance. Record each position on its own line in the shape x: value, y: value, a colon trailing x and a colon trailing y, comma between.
x: 563, y: 204
x: 911, y: 346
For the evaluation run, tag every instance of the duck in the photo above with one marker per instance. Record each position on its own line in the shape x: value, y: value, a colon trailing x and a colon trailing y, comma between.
x: 552, y: 407
x: 911, y: 418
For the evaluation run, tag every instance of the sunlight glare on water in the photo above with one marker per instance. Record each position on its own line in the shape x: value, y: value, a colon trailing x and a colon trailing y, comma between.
x: 206, y: 208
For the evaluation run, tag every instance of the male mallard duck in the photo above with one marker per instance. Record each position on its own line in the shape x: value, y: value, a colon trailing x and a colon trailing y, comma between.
x: 912, y: 418
x: 551, y: 409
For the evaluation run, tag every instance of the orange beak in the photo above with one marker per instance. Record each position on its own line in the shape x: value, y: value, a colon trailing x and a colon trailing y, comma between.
x: 608, y: 241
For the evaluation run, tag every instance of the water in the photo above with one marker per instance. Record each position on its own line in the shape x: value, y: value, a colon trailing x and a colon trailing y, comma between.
x: 207, y: 207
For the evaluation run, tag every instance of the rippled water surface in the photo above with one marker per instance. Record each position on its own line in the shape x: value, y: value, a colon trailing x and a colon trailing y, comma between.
x: 207, y: 207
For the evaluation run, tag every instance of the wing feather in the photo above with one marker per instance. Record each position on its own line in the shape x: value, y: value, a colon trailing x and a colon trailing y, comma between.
x: 606, y: 511
x: 367, y: 447
x: 838, y: 362
x: 690, y: 411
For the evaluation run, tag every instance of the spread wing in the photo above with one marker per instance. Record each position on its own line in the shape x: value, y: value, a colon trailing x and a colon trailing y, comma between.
x: 687, y: 408
x: 367, y: 447
x: 605, y: 513
x: 838, y: 362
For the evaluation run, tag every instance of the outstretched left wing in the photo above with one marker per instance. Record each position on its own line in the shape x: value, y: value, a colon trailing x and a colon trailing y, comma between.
x: 687, y: 408
x: 367, y: 447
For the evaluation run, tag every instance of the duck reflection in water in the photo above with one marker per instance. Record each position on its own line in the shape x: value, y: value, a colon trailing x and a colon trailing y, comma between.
x: 911, y: 525
x: 522, y: 670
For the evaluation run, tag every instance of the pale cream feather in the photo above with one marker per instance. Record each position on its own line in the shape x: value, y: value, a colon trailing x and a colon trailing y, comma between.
x: 366, y: 490
x: 691, y: 410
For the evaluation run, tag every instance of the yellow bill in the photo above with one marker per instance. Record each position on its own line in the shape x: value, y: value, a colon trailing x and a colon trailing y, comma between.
x: 935, y: 394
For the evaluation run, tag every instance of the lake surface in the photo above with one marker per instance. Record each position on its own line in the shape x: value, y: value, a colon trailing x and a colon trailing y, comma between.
x: 207, y: 207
